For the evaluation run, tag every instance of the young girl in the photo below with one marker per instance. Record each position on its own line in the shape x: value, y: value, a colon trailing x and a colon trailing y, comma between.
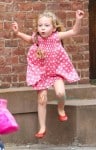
x: 48, y: 62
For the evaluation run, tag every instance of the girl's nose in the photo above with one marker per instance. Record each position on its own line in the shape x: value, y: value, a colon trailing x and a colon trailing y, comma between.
x: 43, y: 27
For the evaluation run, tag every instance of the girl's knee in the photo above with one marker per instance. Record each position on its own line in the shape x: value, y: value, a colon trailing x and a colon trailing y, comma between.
x: 60, y: 94
x: 42, y: 97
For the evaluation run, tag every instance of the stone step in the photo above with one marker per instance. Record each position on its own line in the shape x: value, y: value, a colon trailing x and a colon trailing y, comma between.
x: 83, y: 91
x: 25, y: 99
x: 46, y: 147
x: 80, y: 129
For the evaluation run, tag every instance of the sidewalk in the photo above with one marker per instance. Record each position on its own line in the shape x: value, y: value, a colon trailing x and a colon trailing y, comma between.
x: 46, y: 147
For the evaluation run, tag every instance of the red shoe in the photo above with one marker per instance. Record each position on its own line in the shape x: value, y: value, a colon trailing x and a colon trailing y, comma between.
x: 40, y: 135
x: 63, y: 118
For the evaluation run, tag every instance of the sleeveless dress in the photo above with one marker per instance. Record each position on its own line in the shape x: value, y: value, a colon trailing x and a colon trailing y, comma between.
x: 56, y: 64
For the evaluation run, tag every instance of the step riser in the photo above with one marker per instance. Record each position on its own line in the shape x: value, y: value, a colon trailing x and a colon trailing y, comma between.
x: 72, y: 92
x: 80, y: 129
x: 81, y: 93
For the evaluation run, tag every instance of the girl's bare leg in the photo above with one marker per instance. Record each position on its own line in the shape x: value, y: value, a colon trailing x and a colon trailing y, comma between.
x: 42, y: 102
x: 60, y: 93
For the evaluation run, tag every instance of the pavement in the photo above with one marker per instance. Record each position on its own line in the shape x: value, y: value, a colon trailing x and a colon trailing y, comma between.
x: 46, y: 147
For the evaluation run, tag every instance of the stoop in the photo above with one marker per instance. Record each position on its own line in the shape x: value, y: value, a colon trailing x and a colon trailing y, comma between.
x: 80, y: 129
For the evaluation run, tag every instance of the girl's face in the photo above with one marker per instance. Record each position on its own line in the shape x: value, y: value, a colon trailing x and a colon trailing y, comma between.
x: 45, y: 26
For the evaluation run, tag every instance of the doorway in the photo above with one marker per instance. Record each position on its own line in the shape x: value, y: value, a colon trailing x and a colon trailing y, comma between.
x: 92, y: 39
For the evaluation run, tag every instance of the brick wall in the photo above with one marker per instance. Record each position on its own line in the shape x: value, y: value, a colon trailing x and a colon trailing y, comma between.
x: 13, y: 51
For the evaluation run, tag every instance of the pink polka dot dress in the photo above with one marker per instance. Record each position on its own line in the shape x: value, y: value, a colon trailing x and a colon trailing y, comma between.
x: 43, y: 72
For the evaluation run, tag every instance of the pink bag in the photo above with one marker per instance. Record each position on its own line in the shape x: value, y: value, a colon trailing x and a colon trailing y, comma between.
x: 8, y: 123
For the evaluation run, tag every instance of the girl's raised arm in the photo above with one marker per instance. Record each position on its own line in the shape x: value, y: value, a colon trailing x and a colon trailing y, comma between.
x: 23, y: 36
x: 76, y: 28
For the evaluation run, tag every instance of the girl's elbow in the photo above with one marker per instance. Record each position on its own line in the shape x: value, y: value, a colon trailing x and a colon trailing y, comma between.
x: 30, y: 40
x: 76, y: 32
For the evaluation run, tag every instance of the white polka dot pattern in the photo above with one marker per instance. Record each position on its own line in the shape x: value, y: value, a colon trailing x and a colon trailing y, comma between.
x: 42, y: 73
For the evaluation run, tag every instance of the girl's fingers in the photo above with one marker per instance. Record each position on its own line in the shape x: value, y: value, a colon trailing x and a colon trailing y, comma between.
x: 79, y: 13
x: 15, y: 26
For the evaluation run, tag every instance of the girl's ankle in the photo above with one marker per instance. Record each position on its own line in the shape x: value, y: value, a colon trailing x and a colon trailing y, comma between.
x: 61, y: 112
x: 42, y: 130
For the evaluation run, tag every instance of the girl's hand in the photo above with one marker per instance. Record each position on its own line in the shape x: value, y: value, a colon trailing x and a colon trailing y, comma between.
x: 15, y: 27
x: 79, y: 14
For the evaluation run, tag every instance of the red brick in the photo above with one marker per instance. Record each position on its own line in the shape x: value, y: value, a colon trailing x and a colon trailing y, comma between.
x: 1, y: 25
x: 84, y: 81
x: 2, y: 61
x: 5, y: 69
x: 70, y: 15
x: 31, y: 15
x: 83, y: 65
x: 1, y: 43
x: 19, y: 69
x: 65, y: 6
x: 22, y: 59
x: 11, y: 43
x: 24, y: 6
x: 18, y: 51
x: 39, y: 6
x: 85, y: 22
x: 53, y: 6
x: 14, y: 78
x: 86, y: 3
x: 6, y: 78
x: 22, y: 78
x: 2, y: 16
x: 19, y: 16
x: 69, y: 23
x: 2, y: 7
x: 6, y: 1
x: 3, y: 85
x: 7, y: 25
x: 62, y: 16
x: 15, y: 60
x: 6, y: 34
x: 77, y: 5
x: 78, y: 40
x: 84, y: 73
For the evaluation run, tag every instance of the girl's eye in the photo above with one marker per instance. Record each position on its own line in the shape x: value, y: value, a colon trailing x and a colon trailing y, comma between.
x: 46, y: 25
x: 39, y: 25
